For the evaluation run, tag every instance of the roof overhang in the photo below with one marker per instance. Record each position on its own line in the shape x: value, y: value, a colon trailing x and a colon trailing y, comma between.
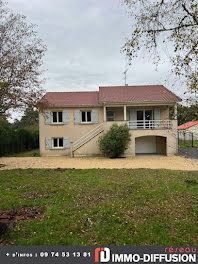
x: 117, y: 104
x: 71, y: 106
x: 145, y: 103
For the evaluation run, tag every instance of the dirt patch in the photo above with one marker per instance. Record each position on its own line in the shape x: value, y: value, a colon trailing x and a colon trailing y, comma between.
x: 10, y: 217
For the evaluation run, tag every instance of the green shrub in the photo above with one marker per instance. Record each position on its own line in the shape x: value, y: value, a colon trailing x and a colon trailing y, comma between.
x: 114, y: 143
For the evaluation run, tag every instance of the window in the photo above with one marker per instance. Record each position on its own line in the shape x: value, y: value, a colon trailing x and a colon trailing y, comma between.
x: 57, y: 117
x: 57, y: 142
x: 110, y: 116
x: 86, y: 116
x: 144, y: 118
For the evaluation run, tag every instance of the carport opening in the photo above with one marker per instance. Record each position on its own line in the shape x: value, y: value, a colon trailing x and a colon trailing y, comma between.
x: 150, y: 145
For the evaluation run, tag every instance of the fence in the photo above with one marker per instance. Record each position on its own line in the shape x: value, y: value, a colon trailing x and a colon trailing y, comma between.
x: 187, y: 139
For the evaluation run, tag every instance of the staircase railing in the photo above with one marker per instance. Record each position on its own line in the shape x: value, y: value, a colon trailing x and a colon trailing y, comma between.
x: 87, y: 137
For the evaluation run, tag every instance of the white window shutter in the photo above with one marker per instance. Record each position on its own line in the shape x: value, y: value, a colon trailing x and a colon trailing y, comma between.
x: 157, y: 117
x: 66, y: 116
x: 77, y: 116
x: 94, y: 116
x: 133, y: 118
x: 48, y: 143
x: 47, y: 116
x: 66, y: 142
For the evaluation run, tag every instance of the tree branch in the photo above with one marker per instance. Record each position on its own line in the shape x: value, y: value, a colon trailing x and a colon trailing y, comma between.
x: 190, y: 14
x: 191, y: 50
x: 169, y: 29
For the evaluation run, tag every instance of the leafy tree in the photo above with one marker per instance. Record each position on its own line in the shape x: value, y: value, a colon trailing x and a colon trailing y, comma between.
x: 185, y: 113
x: 21, y: 53
x: 173, y: 24
x: 30, y: 118
x: 114, y: 143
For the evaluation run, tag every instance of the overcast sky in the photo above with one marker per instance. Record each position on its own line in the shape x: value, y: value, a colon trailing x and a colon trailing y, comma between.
x: 84, y: 38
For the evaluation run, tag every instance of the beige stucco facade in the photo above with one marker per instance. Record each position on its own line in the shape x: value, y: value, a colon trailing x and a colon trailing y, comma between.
x: 71, y: 130
x: 166, y: 139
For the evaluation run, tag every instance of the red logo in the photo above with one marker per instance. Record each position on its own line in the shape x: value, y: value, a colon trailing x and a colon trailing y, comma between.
x: 102, y: 255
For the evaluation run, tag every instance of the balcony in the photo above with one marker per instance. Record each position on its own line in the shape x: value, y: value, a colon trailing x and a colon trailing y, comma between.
x: 150, y: 124
x: 140, y: 117
x: 145, y: 124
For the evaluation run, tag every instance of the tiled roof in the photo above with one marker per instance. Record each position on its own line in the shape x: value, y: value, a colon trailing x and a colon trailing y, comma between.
x: 188, y: 124
x: 70, y: 98
x: 136, y: 94
x: 113, y: 94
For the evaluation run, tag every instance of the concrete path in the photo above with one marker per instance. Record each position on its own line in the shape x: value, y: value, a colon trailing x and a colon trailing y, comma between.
x: 151, y: 162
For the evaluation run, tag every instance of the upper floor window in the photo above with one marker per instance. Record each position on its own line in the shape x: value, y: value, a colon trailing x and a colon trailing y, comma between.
x: 110, y: 116
x: 57, y: 117
x: 86, y: 116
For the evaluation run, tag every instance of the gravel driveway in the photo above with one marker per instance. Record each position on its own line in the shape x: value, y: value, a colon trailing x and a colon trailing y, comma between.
x: 189, y: 152
x: 151, y: 162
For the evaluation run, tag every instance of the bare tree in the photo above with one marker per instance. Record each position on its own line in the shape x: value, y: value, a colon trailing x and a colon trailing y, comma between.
x: 173, y: 23
x: 21, y: 53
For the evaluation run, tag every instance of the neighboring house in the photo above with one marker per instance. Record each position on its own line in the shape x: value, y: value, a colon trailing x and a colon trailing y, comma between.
x: 188, y: 131
x: 72, y: 122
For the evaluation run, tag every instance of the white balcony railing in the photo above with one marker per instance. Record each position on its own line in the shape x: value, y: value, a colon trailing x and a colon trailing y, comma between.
x: 150, y: 124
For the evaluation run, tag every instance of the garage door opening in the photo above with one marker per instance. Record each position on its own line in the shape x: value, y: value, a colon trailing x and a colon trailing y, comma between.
x: 150, y: 145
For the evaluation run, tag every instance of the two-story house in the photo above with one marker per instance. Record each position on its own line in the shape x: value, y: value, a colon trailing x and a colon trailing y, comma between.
x: 72, y: 122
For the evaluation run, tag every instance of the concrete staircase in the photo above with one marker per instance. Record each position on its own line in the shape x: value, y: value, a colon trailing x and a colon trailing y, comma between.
x: 87, y: 137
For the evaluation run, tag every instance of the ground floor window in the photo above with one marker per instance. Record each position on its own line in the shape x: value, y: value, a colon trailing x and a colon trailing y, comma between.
x: 86, y: 116
x: 57, y: 142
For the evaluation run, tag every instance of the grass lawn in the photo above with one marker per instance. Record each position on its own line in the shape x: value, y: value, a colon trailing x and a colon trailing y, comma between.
x: 103, y: 207
x: 188, y: 144
x: 30, y: 153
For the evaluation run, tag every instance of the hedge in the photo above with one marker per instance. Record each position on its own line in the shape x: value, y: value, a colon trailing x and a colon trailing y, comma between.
x: 17, y: 140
